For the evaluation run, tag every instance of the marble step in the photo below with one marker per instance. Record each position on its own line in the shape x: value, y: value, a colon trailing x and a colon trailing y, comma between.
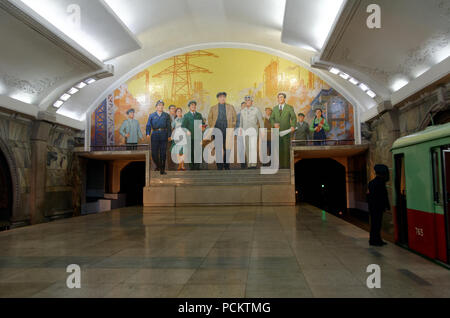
x: 214, y: 177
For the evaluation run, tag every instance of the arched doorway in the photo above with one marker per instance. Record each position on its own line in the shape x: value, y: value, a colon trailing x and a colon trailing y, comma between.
x: 322, y: 183
x: 6, y: 193
x: 132, y: 182
x: 441, y: 117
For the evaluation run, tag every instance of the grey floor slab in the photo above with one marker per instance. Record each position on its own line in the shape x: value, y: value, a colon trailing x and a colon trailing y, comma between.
x: 210, y: 252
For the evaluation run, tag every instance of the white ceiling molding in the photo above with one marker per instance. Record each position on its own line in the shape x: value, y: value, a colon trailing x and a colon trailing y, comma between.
x: 334, y: 82
x: 18, y: 106
x: 402, y: 57
x: 434, y: 74
x: 307, y: 23
x: 98, y: 30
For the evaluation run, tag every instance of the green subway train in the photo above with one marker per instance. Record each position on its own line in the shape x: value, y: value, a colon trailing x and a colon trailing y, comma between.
x: 421, y: 192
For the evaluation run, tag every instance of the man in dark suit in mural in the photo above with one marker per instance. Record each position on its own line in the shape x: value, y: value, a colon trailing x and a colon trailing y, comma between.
x: 223, y: 116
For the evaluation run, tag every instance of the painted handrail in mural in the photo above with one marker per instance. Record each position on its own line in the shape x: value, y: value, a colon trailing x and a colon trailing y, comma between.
x: 325, y: 142
x: 139, y: 147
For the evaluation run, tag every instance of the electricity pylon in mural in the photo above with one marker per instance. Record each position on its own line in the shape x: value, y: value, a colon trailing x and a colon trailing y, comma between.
x: 181, y: 71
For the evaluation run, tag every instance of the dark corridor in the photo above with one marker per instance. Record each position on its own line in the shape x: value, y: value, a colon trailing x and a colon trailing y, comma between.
x: 321, y: 182
x: 132, y: 183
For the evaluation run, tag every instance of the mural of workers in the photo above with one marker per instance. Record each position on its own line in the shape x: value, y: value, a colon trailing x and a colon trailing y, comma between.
x: 265, y: 75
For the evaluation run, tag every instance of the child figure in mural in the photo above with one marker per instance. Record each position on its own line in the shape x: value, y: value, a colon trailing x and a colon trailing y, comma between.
x: 178, y: 148
x: 319, y: 127
x: 302, y: 132
x: 131, y: 131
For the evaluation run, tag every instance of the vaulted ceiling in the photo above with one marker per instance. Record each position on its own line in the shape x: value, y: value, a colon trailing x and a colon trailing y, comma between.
x: 45, y: 55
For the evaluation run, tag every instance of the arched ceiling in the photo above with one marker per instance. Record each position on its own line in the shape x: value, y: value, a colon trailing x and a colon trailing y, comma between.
x: 132, y: 34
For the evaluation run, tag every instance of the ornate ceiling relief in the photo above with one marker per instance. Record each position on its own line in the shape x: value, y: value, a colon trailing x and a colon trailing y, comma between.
x: 35, y: 87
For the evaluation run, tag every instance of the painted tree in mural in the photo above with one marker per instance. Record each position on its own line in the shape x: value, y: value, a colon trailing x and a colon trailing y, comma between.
x: 181, y: 71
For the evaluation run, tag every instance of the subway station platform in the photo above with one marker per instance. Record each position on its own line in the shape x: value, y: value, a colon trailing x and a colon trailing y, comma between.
x: 247, y: 251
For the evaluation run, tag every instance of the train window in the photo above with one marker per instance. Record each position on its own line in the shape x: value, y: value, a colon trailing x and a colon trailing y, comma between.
x: 437, y: 189
x: 402, y: 177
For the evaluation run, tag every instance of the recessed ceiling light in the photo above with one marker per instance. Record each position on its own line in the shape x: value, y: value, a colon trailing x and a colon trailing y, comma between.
x: 371, y: 94
x: 344, y: 75
x: 81, y: 85
x: 89, y: 81
x: 58, y: 103
x: 334, y: 70
x: 353, y: 81
x: 363, y: 87
x: 65, y: 97
x: 73, y: 90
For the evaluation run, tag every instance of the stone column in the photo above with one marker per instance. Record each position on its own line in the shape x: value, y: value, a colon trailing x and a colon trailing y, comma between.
x: 39, y: 140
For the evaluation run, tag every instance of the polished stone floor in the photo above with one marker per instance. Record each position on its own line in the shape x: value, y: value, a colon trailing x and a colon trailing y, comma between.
x: 210, y: 252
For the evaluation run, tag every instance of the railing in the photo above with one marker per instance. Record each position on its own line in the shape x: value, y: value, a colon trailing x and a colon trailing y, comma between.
x: 139, y: 147
x: 326, y: 142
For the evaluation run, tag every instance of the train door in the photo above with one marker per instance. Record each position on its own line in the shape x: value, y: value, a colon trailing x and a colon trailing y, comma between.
x: 446, y: 177
x: 400, y: 195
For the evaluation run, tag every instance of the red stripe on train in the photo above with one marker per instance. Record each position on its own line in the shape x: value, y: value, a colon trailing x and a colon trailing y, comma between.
x: 426, y: 234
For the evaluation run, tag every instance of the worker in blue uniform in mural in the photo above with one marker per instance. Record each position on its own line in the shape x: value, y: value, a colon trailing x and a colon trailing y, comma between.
x: 158, y: 126
x: 131, y: 131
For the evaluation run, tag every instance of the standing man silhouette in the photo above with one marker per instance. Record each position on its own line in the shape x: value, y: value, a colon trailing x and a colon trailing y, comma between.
x: 378, y: 203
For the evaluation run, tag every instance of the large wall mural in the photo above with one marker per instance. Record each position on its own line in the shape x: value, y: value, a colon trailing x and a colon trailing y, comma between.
x: 201, y: 74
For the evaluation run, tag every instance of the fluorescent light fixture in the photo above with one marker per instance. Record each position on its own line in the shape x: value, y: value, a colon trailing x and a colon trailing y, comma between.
x: 23, y: 97
x: 371, y: 94
x: 81, y: 85
x: 353, y: 81
x: 73, y: 90
x: 344, y: 76
x: 65, y: 97
x: 64, y: 112
x: 307, y: 23
x: 364, y: 87
x: 329, y: 10
x: 334, y: 70
x: 399, y: 83
x: 58, y: 15
x: 89, y: 81
x: 58, y: 103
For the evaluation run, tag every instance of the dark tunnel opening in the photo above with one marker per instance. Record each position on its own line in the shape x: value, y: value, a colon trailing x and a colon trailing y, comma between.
x: 132, y: 183
x: 322, y: 183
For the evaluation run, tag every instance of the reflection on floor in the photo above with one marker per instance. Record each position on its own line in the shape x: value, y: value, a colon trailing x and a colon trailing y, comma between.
x: 209, y: 252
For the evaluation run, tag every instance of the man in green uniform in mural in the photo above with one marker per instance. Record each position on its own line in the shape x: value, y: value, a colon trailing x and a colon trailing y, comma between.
x: 283, y: 117
x: 131, y: 131
x: 189, y: 123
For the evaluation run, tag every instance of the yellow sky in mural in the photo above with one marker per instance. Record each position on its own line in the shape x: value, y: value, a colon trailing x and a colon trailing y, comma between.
x: 235, y: 71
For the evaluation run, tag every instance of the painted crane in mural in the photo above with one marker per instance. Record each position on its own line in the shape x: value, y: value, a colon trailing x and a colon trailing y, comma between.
x: 181, y: 71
